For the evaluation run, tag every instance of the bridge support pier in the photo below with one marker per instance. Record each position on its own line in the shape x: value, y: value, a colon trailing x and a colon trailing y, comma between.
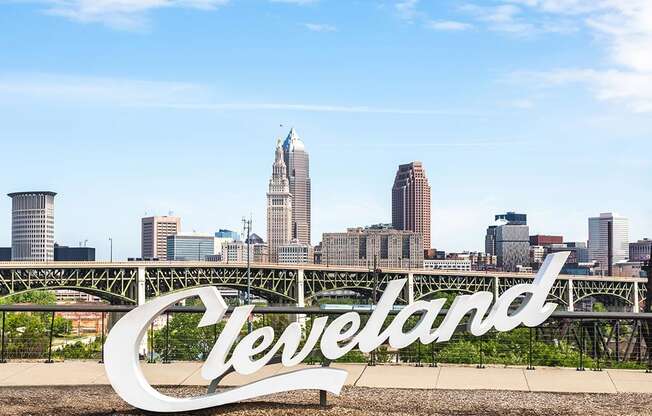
x: 496, y: 287
x: 301, y: 297
x: 140, y: 299
x: 571, y: 297
x: 410, y: 288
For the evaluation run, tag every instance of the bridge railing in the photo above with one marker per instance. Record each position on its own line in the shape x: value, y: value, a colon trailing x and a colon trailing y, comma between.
x: 584, y: 340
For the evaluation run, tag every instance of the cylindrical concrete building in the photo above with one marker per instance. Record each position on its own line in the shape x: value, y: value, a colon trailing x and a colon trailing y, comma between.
x: 32, y: 225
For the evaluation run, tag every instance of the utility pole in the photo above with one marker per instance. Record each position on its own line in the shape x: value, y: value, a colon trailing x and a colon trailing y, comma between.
x: 247, y: 227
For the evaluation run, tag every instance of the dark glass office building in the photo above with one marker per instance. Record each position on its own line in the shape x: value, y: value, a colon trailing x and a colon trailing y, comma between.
x: 513, y: 218
x: 65, y: 253
x: 5, y: 253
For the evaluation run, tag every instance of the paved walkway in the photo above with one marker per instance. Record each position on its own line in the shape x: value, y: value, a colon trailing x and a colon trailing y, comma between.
x: 384, y: 376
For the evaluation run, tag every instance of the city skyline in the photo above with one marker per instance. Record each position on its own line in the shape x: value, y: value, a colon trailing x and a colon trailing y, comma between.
x: 533, y: 110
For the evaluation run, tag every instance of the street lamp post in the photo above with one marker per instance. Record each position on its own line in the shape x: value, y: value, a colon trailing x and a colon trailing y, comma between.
x: 111, y: 249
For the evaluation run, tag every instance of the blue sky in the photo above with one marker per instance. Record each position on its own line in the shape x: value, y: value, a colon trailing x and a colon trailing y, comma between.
x: 149, y: 106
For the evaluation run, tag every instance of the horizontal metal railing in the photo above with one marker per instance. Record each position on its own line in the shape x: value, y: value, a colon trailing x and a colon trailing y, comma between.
x: 578, y: 339
x: 294, y: 310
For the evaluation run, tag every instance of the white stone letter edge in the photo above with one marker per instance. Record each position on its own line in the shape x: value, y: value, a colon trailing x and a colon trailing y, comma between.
x: 125, y: 375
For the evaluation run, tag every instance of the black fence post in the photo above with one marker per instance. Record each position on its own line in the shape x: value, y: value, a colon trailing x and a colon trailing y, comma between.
x: 167, y: 338
x: 581, y: 364
x: 648, y: 348
x: 102, y: 340
x: 49, y: 360
x: 2, y: 347
x: 323, y: 398
x: 151, y: 343
x: 481, y: 365
x: 617, y: 329
x: 433, y: 362
x: 639, y: 351
x: 419, y: 354
x: 529, y: 352
x: 596, y: 347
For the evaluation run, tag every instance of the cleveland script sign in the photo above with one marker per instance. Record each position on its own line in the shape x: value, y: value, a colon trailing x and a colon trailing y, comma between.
x: 334, y: 340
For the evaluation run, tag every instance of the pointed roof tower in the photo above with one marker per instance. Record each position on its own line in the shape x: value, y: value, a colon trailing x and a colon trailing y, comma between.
x: 293, y: 142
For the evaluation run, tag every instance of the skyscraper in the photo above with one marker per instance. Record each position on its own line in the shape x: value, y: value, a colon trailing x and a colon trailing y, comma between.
x: 508, y: 239
x: 512, y: 246
x: 640, y: 250
x: 608, y: 240
x: 298, y: 174
x: 411, y: 201
x: 490, y: 240
x: 154, y: 234
x: 279, y: 205
x: 190, y: 247
x: 32, y: 225
x: 375, y: 245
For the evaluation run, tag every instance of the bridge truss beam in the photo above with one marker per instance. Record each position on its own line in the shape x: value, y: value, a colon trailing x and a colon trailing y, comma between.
x: 294, y: 285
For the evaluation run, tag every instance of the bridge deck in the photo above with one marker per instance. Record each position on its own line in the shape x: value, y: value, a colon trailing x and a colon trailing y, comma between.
x: 305, y: 267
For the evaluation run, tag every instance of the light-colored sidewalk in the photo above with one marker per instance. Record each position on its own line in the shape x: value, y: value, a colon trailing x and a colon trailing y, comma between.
x: 384, y: 376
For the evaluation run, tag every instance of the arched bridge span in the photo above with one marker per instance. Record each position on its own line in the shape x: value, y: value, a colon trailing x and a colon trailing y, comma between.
x: 134, y: 282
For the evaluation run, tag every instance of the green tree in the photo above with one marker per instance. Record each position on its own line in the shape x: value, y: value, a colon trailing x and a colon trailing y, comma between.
x: 185, y: 340
x: 37, y: 297
x: 27, y: 333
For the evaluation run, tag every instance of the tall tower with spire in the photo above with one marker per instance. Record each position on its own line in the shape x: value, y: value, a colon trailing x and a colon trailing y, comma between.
x: 279, y: 206
x: 298, y: 174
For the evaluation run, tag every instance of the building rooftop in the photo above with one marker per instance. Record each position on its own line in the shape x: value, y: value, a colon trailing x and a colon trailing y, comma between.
x: 13, y: 194
x: 293, y: 142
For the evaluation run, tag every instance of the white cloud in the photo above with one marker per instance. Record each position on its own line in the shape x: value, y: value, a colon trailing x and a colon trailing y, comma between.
x: 120, y: 14
x: 168, y: 95
x: 633, y: 89
x: 501, y: 18
x: 447, y: 25
x: 112, y: 91
x: 129, y: 14
x: 297, y: 2
x: 407, y: 9
x: 320, y: 27
x: 521, y: 104
x: 623, y: 26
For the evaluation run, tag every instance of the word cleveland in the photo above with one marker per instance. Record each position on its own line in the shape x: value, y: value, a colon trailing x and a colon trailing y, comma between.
x: 334, y: 339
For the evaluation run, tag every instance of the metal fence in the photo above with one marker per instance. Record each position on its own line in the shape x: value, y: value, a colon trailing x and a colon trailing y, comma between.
x: 584, y: 340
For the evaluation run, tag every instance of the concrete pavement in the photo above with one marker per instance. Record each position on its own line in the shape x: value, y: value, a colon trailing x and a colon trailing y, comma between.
x: 383, y: 376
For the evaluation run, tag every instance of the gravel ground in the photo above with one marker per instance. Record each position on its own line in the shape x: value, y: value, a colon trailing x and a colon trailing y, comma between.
x: 101, y: 400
